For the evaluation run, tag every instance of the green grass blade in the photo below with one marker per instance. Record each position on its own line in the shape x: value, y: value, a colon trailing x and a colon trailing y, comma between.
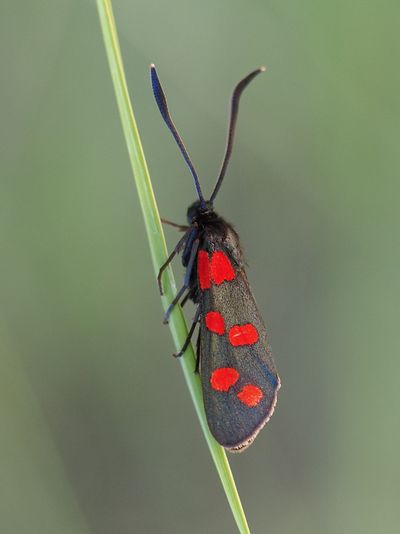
x: 158, y: 250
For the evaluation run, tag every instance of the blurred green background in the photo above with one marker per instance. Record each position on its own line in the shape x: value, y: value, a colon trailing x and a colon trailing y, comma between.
x: 98, y: 434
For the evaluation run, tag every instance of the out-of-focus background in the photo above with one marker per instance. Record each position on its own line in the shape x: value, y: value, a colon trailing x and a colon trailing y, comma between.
x: 97, y: 431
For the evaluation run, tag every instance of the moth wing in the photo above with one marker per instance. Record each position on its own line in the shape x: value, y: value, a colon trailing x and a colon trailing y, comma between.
x: 236, y: 413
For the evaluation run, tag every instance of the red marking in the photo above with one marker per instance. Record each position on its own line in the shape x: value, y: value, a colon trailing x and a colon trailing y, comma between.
x: 245, y: 334
x: 223, y: 378
x: 250, y: 395
x: 215, y: 322
x: 221, y: 268
x: 203, y: 270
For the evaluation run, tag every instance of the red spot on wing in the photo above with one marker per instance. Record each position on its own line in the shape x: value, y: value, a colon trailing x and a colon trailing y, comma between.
x: 215, y: 322
x: 203, y: 269
x: 221, y: 268
x: 250, y: 395
x: 245, y: 334
x: 223, y: 378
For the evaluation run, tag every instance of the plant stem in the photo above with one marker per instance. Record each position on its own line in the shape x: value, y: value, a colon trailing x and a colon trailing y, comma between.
x: 158, y: 250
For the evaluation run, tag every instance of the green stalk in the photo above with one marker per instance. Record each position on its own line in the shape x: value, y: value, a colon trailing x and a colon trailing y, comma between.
x: 158, y: 250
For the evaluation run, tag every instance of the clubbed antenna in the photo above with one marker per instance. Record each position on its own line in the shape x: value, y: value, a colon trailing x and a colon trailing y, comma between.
x: 237, y: 92
x: 163, y: 107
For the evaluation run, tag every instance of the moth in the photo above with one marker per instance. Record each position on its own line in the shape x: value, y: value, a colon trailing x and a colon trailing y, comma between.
x: 238, y: 376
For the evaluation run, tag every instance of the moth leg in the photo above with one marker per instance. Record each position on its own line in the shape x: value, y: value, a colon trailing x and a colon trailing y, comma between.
x: 190, y: 334
x: 173, y: 304
x: 170, y: 258
x: 180, y: 227
x: 186, y: 281
x: 189, y: 268
x: 185, y: 299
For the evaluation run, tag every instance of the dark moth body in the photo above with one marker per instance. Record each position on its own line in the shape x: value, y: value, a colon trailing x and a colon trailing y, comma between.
x: 233, y: 423
x: 238, y: 375
x: 212, y: 233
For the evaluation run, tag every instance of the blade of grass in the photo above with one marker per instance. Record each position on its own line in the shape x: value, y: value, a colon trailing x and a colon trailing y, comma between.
x: 158, y: 250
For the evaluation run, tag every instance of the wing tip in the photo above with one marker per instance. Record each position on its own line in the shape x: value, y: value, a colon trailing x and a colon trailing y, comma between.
x: 240, y: 447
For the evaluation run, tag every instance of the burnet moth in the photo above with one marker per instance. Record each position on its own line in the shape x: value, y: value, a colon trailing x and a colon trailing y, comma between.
x: 238, y: 375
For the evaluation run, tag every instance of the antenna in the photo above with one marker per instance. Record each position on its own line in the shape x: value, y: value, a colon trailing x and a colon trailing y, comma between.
x: 237, y: 92
x: 163, y: 107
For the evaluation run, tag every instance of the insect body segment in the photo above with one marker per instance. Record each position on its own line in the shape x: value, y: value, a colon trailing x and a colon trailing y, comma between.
x: 237, y: 372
